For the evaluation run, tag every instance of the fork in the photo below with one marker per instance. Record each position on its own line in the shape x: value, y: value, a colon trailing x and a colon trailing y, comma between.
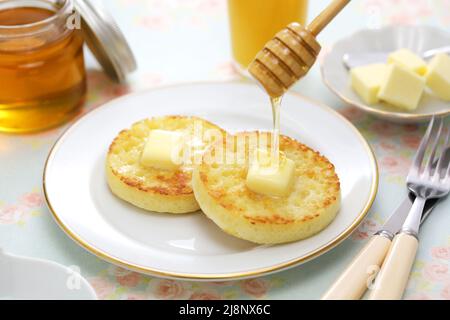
x: 426, y: 183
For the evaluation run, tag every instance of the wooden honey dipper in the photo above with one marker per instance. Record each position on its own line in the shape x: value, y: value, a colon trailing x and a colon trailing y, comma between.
x: 291, y: 53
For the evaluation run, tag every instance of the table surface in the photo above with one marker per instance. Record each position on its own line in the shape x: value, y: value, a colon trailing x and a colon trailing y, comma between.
x: 158, y: 31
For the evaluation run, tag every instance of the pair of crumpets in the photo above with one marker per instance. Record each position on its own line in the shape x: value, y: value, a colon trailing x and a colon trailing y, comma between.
x: 224, y: 190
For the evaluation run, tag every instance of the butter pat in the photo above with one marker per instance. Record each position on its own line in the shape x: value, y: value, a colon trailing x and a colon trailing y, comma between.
x: 267, y: 177
x: 366, y: 81
x: 409, y: 60
x: 402, y: 88
x: 438, y: 76
x: 163, y: 150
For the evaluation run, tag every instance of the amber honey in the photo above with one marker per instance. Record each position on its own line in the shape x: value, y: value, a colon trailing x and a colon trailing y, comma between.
x: 42, y: 71
x: 254, y: 22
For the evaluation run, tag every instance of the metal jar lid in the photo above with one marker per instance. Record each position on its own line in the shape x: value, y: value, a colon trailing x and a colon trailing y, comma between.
x: 105, y: 40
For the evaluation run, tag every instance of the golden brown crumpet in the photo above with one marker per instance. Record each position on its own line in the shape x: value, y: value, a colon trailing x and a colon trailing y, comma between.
x: 153, y: 189
x: 220, y: 189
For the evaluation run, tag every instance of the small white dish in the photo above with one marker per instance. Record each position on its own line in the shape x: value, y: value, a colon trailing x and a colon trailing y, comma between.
x: 417, y: 38
x: 191, y: 246
x: 35, y: 279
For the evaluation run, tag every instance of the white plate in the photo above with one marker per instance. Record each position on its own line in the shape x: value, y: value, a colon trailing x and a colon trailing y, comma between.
x: 191, y: 246
x: 417, y: 38
x: 24, y: 278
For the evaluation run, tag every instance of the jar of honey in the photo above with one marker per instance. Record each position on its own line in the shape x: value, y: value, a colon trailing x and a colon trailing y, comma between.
x: 42, y: 69
x: 254, y: 22
x: 42, y: 72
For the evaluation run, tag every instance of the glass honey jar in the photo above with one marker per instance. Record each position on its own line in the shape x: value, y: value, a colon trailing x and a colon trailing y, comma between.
x: 42, y: 72
x: 42, y: 68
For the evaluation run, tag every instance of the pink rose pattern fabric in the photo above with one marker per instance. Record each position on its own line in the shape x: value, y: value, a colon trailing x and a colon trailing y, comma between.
x: 393, y: 145
x: 27, y: 206
x: 118, y: 283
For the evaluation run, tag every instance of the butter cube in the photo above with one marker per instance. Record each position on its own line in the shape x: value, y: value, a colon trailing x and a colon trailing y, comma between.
x: 438, y: 76
x: 163, y: 150
x: 270, y: 177
x: 402, y: 88
x: 409, y: 60
x: 366, y: 81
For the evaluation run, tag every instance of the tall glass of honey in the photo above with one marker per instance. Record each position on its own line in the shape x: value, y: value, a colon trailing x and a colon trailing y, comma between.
x: 254, y: 22
x: 42, y: 71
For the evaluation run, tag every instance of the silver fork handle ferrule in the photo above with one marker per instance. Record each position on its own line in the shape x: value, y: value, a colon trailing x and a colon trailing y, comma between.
x: 412, y: 222
x: 384, y: 233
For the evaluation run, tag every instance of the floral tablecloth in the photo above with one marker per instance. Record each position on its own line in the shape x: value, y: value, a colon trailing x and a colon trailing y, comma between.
x: 185, y: 41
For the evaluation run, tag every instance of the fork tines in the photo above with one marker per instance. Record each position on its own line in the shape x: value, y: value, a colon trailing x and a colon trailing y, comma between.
x: 434, y: 145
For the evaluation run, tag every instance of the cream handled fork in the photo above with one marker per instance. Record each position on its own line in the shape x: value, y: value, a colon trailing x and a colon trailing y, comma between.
x: 426, y: 183
x: 357, y: 277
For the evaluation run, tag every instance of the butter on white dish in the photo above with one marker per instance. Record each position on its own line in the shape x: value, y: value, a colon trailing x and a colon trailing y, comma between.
x: 438, y: 76
x: 269, y: 176
x: 409, y: 60
x: 367, y: 80
x: 163, y: 150
x: 402, y: 88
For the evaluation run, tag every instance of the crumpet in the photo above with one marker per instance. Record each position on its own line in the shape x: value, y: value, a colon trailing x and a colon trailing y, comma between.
x: 152, y: 189
x: 220, y: 189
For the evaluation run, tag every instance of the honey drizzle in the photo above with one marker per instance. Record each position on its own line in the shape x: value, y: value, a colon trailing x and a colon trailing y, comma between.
x: 276, y: 106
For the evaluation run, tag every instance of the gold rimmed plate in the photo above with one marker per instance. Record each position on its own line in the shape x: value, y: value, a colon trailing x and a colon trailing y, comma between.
x: 416, y: 38
x: 190, y: 246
